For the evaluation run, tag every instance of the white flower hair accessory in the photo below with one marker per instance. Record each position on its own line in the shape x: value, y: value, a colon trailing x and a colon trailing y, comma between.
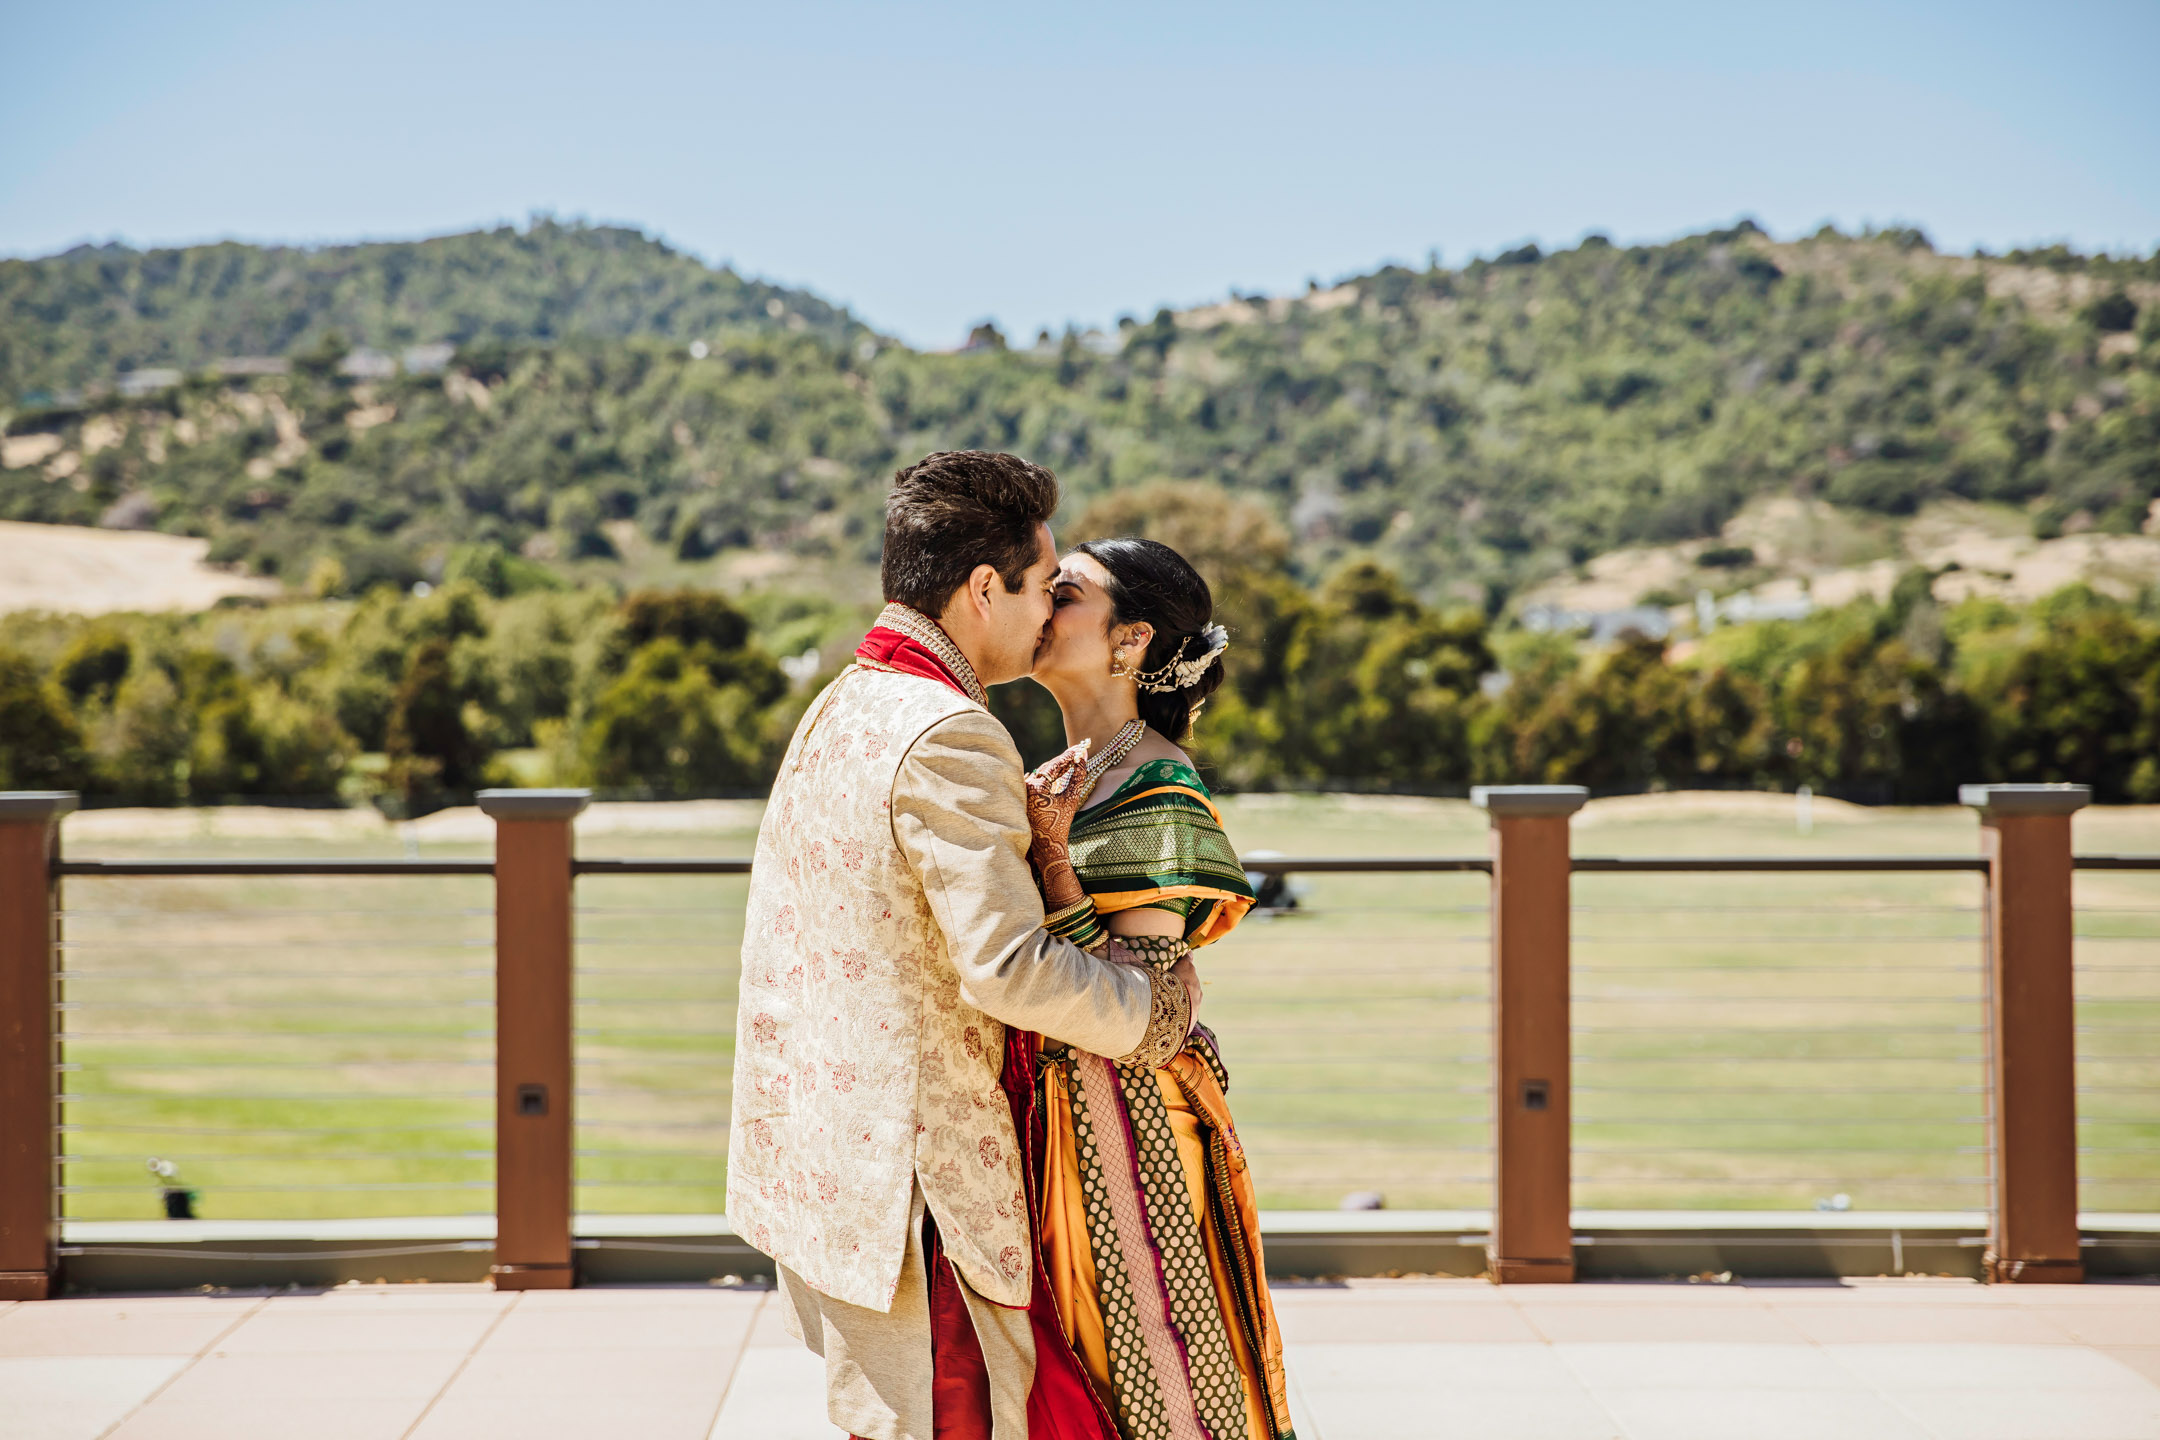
x: 1178, y: 673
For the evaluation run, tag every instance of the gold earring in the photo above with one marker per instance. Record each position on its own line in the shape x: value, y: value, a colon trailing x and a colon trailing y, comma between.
x: 1118, y: 669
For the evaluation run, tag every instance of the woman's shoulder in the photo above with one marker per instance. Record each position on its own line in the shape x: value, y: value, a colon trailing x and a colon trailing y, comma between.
x: 1153, y: 764
x: 1156, y: 761
x: 1153, y: 749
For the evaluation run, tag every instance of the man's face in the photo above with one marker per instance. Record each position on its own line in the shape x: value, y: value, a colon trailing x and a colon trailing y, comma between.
x: 1019, y: 618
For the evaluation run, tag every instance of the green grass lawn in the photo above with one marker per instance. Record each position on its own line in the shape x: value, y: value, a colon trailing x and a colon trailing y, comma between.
x: 321, y: 1047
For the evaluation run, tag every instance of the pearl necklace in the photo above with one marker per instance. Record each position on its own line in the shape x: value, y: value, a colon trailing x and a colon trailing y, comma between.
x: 1121, y: 745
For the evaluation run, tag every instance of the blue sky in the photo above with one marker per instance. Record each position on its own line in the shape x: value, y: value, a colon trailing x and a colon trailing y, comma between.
x: 935, y: 165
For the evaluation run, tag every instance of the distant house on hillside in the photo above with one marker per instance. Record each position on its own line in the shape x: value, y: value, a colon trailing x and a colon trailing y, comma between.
x: 1604, y: 626
x: 428, y: 359
x: 1736, y: 609
x: 241, y: 366
x: 136, y: 384
x: 366, y: 364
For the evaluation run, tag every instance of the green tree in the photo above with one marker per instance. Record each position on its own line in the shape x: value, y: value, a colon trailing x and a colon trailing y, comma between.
x: 1729, y: 726
x: 2080, y: 701
x: 143, y: 744
x: 667, y: 726
x: 1619, y: 724
x: 256, y: 740
x: 40, y: 746
x: 431, y: 748
x: 94, y: 664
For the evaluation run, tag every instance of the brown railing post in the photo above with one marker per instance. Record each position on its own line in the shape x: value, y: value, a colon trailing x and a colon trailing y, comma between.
x: 29, y: 1102
x: 2025, y: 835
x: 1532, y: 1239
x: 532, y: 1035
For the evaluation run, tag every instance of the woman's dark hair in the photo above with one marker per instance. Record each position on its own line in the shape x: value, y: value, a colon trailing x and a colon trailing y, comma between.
x: 1151, y: 582
x: 958, y: 509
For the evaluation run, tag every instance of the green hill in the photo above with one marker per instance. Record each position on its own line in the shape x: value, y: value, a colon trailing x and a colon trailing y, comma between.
x: 1476, y: 430
x: 75, y: 319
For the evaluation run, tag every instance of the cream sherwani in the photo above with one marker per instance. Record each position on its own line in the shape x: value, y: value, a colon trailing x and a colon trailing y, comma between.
x: 893, y: 930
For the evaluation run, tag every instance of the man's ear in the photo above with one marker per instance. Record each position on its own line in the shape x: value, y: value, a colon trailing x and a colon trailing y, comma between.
x: 980, y: 579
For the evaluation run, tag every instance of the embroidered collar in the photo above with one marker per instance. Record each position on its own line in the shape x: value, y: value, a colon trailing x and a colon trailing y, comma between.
x: 924, y: 631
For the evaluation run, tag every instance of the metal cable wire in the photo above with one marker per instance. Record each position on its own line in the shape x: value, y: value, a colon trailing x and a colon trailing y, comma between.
x: 75, y: 1066
x: 269, y: 1158
x: 1298, y: 950
x: 294, y: 1189
x: 116, y: 1125
x: 257, y: 1037
x: 326, y: 1097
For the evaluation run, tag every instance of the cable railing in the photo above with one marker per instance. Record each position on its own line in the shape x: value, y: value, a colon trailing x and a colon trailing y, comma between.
x: 654, y: 1036
x: 295, y: 1041
x: 2118, y: 1040
x: 1356, y: 1029
x: 1814, y: 1043
x: 279, y: 1044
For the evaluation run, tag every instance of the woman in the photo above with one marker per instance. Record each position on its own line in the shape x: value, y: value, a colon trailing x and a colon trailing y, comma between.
x: 1149, y: 1228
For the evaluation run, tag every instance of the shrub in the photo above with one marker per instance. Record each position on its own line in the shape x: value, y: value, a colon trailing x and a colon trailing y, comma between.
x: 668, y: 727
x: 40, y: 746
x: 430, y: 748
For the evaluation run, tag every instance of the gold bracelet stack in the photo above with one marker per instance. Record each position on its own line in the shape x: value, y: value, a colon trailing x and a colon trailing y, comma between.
x: 1170, y: 1020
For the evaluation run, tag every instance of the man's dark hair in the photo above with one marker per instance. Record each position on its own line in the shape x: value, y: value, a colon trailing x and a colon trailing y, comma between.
x: 958, y: 509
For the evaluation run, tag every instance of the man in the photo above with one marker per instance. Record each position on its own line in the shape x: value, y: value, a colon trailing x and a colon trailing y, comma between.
x: 893, y: 930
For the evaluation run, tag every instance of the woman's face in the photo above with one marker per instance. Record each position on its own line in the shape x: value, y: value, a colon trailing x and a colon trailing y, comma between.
x: 1076, y: 645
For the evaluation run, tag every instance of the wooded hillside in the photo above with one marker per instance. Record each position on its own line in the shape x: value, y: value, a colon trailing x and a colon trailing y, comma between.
x: 1474, y: 429
x: 72, y: 320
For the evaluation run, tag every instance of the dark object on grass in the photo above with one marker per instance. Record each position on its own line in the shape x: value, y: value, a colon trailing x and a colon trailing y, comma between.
x: 179, y: 1201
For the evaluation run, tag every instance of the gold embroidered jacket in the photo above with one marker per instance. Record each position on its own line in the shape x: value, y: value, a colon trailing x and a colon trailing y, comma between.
x: 892, y: 925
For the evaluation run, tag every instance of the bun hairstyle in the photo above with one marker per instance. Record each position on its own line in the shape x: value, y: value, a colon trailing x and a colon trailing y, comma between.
x: 1152, y: 583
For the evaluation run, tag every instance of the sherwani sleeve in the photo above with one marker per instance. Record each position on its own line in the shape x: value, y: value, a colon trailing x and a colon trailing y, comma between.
x: 959, y: 813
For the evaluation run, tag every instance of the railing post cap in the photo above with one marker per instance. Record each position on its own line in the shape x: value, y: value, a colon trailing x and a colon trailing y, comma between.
x: 2025, y: 799
x: 532, y: 804
x: 1511, y: 801
x: 41, y: 805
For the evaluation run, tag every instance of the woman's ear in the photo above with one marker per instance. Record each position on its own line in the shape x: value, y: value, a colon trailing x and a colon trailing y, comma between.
x: 1140, y: 637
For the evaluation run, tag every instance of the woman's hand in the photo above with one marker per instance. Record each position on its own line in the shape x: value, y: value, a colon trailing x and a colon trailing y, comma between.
x: 1189, y: 974
x: 1054, y: 793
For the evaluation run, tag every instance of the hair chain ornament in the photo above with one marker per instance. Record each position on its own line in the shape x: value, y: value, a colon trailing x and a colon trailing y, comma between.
x: 1178, y: 673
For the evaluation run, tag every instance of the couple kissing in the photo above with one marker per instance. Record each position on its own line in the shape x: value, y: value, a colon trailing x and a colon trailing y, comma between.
x: 976, y: 1123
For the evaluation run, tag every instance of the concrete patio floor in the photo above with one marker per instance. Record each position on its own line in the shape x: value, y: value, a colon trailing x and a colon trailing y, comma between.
x: 1384, y: 1359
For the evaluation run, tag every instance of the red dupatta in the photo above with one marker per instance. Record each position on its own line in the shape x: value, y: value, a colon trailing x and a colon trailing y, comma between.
x: 913, y: 644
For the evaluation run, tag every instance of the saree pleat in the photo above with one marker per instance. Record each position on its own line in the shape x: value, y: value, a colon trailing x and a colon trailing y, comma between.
x: 1148, y: 1379
x: 1149, y: 1227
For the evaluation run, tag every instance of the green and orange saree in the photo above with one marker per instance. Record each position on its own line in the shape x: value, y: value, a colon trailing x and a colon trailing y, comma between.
x: 1149, y: 1234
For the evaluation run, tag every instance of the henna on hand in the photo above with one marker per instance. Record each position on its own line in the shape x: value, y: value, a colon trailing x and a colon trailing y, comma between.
x: 1060, y: 882
x: 1054, y: 793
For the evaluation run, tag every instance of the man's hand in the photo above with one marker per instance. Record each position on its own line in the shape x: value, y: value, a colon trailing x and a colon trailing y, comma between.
x: 1190, y: 975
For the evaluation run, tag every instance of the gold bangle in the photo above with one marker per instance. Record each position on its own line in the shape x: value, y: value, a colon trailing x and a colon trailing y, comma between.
x: 1065, y: 913
x: 1169, y: 1021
